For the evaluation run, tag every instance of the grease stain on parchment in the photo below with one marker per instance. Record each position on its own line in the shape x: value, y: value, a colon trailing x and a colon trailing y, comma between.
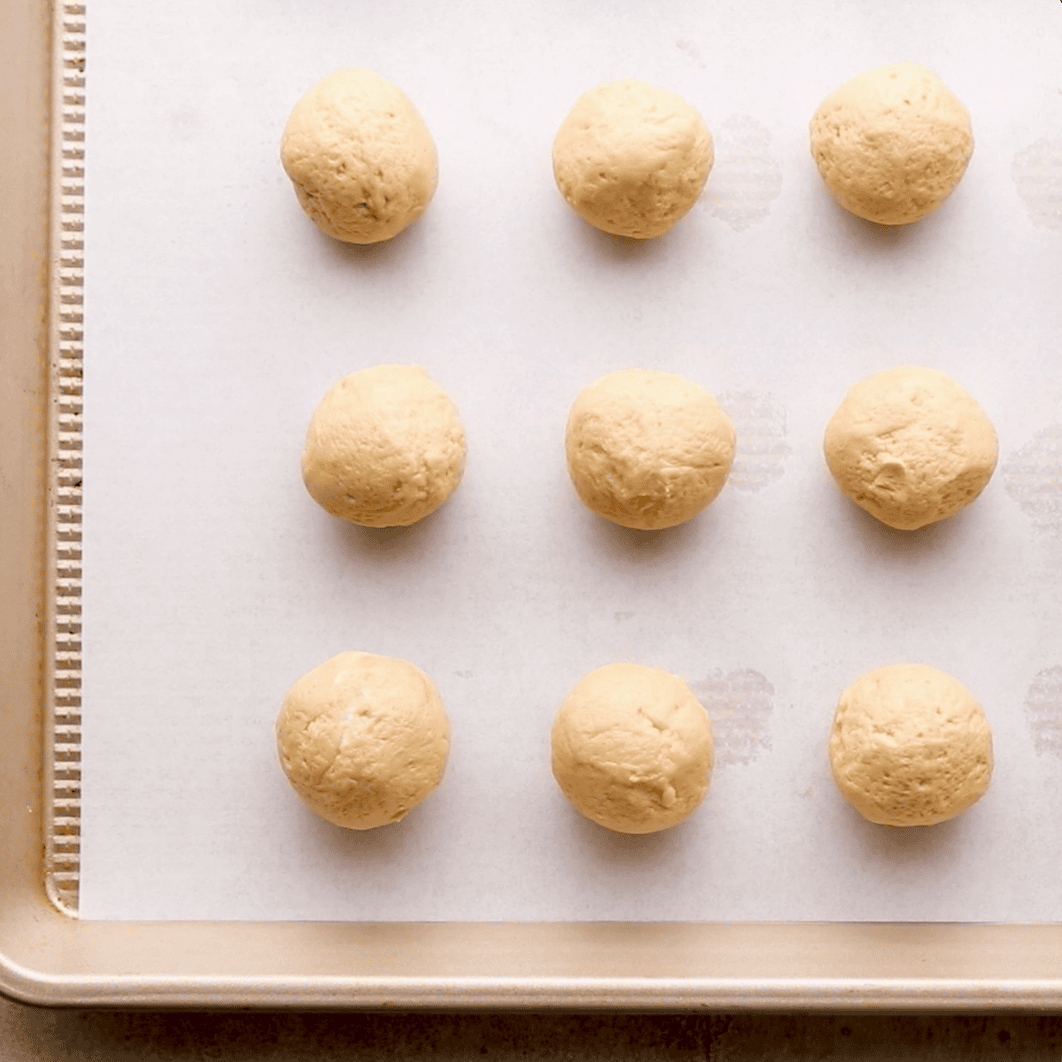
x: 1043, y: 711
x: 1037, y: 174
x: 746, y: 178
x: 1032, y: 476
x: 762, y: 439
x: 740, y: 704
x: 692, y: 51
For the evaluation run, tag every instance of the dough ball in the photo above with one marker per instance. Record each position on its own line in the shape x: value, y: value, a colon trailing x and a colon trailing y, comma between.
x: 648, y: 449
x: 910, y: 446
x: 363, y: 738
x: 892, y: 144
x: 384, y: 448
x: 632, y: 748
x: 910, y: 746
x: 632, y: 158
x: 360, y: 157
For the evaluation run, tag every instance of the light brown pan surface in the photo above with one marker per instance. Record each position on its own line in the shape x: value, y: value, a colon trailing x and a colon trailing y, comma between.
x: 50, y: 958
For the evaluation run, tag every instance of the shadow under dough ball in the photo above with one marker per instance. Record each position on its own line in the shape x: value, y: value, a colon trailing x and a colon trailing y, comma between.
x: 910, y: 746
x: 360, y: 157
x: 632, y: 158
x: 647, y: 449
x: 892, y: 144
x: 910, y: 446
x: 384, y: 448
x: 363, y: 738
x: 632, y: 748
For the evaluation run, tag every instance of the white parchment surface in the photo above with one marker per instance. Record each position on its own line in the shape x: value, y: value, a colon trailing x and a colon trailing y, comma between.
x: 216, y: 316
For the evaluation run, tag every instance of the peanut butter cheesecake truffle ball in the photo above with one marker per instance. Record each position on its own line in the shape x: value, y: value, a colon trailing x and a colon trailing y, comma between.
x: 361, y: 159
x: 648, y: 449
x: 632, y: 158
x: 910, y: 446
x: 910, y: 746
x: 363, y: 738
x: 633, y: 749
x: 384, y: 448
x: 892, y: 143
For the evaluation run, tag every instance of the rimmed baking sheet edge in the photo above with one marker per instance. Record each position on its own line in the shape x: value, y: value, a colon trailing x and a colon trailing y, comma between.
x: 48, y: 957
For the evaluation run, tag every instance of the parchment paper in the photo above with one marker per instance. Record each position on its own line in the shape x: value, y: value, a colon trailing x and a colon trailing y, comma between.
x: 216, y: 316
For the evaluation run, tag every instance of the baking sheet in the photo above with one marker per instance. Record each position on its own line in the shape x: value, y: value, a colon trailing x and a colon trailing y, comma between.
x: 216, y: 316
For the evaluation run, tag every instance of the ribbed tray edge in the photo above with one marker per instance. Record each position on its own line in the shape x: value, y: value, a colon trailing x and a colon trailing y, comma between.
x: 62, y: 798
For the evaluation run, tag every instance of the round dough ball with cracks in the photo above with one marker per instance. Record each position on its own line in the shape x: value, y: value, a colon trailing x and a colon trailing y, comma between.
x: 384, y: 448
x: 910, y: 746
x: 631, y: 158
x: 648, y: 449
x: 361, y: 160
x: 632, y: 748
x: 363, y: 738
x: 892, y: 143
x: 910, y: 446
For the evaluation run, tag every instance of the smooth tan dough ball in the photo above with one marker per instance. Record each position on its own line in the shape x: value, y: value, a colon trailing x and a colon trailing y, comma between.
x: 632, y: 158
x: 648, y: 449
x: 892, y: 144
x: 361, y: 160
x: 910, y: 446
x: 910, y: 746
x: 363, y: 738
x: 384, y: 448
x: 632, y: 748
